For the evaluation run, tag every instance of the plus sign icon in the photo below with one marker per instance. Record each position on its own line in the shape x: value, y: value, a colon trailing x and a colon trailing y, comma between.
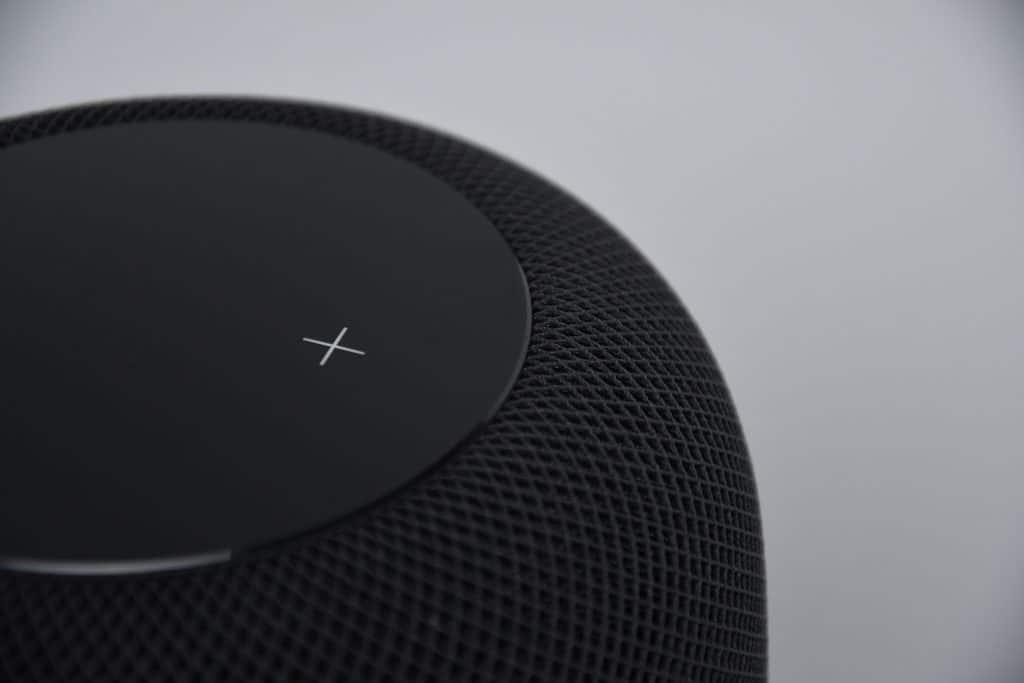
x: 333, y: 346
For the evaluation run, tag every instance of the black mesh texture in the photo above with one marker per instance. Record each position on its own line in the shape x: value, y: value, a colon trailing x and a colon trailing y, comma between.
x: 603, y: 527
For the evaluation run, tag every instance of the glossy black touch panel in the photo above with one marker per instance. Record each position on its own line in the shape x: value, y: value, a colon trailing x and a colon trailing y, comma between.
x: 217, y: 336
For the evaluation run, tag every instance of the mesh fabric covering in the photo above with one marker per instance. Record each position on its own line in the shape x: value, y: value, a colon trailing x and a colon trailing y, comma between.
x: 603, y: 527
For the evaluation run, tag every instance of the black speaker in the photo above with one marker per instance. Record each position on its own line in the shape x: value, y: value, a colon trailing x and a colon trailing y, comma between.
x: 300, y: 393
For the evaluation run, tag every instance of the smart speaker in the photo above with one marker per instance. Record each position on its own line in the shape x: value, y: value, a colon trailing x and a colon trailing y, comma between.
x: 295, y: 393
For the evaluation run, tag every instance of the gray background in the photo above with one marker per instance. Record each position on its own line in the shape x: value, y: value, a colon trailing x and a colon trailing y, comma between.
x: 836, y: 189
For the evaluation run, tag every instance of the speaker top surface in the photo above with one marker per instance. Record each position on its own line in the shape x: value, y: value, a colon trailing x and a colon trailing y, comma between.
x: 221, y: 335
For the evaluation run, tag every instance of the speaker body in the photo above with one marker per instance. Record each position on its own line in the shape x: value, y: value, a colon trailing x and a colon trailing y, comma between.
x: 323, y: 396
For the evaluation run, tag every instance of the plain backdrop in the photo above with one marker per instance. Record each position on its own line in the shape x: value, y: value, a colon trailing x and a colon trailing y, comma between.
x: 836, y: 190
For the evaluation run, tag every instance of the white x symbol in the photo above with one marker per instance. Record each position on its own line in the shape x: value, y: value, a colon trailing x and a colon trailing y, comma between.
x: 333, y: 346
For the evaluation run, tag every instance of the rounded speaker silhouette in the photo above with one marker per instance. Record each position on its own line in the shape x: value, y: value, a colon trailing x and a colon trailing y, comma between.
x: 300, y: 393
